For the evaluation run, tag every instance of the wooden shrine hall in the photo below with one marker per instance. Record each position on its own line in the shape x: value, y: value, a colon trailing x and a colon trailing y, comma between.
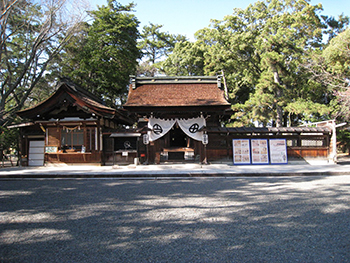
x: 176, y: 112
x: 183, y: 119
x: 173, y: 119
x: 71, y: 126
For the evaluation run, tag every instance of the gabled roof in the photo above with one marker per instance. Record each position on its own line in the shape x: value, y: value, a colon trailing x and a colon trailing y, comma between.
x: 69, y: 95
x: 199, y: 91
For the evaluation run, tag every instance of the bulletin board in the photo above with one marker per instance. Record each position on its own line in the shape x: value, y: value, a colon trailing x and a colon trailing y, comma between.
x: 259, y: 150
x: 241, y: 151
x: 278, y: 151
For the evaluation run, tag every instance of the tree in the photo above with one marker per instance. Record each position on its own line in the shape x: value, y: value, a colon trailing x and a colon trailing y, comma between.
x: 335, y: 72
x: 333, y: 26
x: 291, y: 29
x: 262, y: 50
x: 187, y: 59
x: 105, y: 53
x: 155, y: 46
x: 31, y: 36
x: 8, y: 140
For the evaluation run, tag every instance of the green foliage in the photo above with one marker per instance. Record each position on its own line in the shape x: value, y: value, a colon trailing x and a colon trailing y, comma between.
x: 333, y: 26
x: 262, y: 51
x: 343, y: 137
x: 155, y: 45
x: 277, y: 66
x: 105, y: 53
x: 331, y: 67
x: 31, y: 36
x: 8, y: 140
x: 185, y: 60
x: 337, y: 54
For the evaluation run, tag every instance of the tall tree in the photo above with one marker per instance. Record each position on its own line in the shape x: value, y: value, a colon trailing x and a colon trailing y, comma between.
x: 332, y: 68
x: 31, y: 36
x: 187, y: 59
x: 154, y: 43
x: 106, y: 52
x: 262, y: 50
x: 291, y: 28
x: 155, y: 46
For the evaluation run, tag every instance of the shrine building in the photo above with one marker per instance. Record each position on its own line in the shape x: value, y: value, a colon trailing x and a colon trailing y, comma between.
x: 165, y: 119
x: 71, y: 126
x: 177, y: 112
x: 184, y: 120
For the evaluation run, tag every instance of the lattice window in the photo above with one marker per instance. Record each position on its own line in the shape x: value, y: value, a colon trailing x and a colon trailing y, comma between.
x: 312, y: 143
x: 72, y: 138
x: 292, y: 142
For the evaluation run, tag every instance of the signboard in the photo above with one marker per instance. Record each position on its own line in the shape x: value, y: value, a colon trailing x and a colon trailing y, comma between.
x: 278, y: 151
x: 241, y: 151
x: 51, y: 149
x: 259, y: 151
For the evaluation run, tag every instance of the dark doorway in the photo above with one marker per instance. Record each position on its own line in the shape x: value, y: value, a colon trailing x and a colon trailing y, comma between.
x: 177, y: 137
x: 179, y: 146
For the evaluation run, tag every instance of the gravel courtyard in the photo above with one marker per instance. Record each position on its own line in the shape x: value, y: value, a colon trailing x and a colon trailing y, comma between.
x: 242, y: 219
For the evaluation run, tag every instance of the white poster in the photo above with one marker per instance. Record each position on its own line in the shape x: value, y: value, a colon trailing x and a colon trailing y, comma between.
x: 259, y: 151
x: 241, y: 151
x: 278, y: 151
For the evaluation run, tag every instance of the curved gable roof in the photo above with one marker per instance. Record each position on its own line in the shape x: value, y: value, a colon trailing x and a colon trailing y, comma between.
x: 69, y: 94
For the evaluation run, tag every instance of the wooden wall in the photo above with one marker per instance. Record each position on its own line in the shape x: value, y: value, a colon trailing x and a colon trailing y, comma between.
x: 305, y: 146
x: 94, y: 157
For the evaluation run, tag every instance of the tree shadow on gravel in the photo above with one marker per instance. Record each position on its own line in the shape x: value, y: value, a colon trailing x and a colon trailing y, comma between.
x: 272, y: 219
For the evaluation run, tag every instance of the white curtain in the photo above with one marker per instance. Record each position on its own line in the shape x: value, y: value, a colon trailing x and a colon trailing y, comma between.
x: 160, y: 127
x: 191, y: 127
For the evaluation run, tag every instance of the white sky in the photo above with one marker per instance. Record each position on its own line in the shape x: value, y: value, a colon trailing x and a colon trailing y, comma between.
x: 188, y: 16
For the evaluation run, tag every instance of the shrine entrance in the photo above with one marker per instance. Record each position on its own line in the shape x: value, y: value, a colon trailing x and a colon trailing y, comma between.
x: 178, y: 146
x: 177, y: 137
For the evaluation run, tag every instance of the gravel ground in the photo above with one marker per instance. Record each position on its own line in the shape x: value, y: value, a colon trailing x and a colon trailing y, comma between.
x: 265, y: 219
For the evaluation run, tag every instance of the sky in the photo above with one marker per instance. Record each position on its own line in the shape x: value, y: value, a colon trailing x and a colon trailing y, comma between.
x: 186, y: 17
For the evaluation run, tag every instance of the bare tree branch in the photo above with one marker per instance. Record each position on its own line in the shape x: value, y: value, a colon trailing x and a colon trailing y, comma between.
x: 44, y: 33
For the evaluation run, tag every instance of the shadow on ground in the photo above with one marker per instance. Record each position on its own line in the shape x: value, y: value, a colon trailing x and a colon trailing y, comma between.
x: 290, y: 219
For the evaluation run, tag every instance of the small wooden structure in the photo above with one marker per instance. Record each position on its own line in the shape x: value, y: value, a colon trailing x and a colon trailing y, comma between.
x: 175, y: 112
x: 301, y: 142
x: 71, y: 126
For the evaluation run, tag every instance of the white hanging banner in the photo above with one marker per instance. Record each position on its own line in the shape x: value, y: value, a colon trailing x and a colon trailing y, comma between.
x: 159, y: 128
x: 191, y: 127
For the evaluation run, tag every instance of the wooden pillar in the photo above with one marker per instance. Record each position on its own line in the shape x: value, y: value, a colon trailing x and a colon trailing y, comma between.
x: 151, y: 152
x: 199, y: 149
